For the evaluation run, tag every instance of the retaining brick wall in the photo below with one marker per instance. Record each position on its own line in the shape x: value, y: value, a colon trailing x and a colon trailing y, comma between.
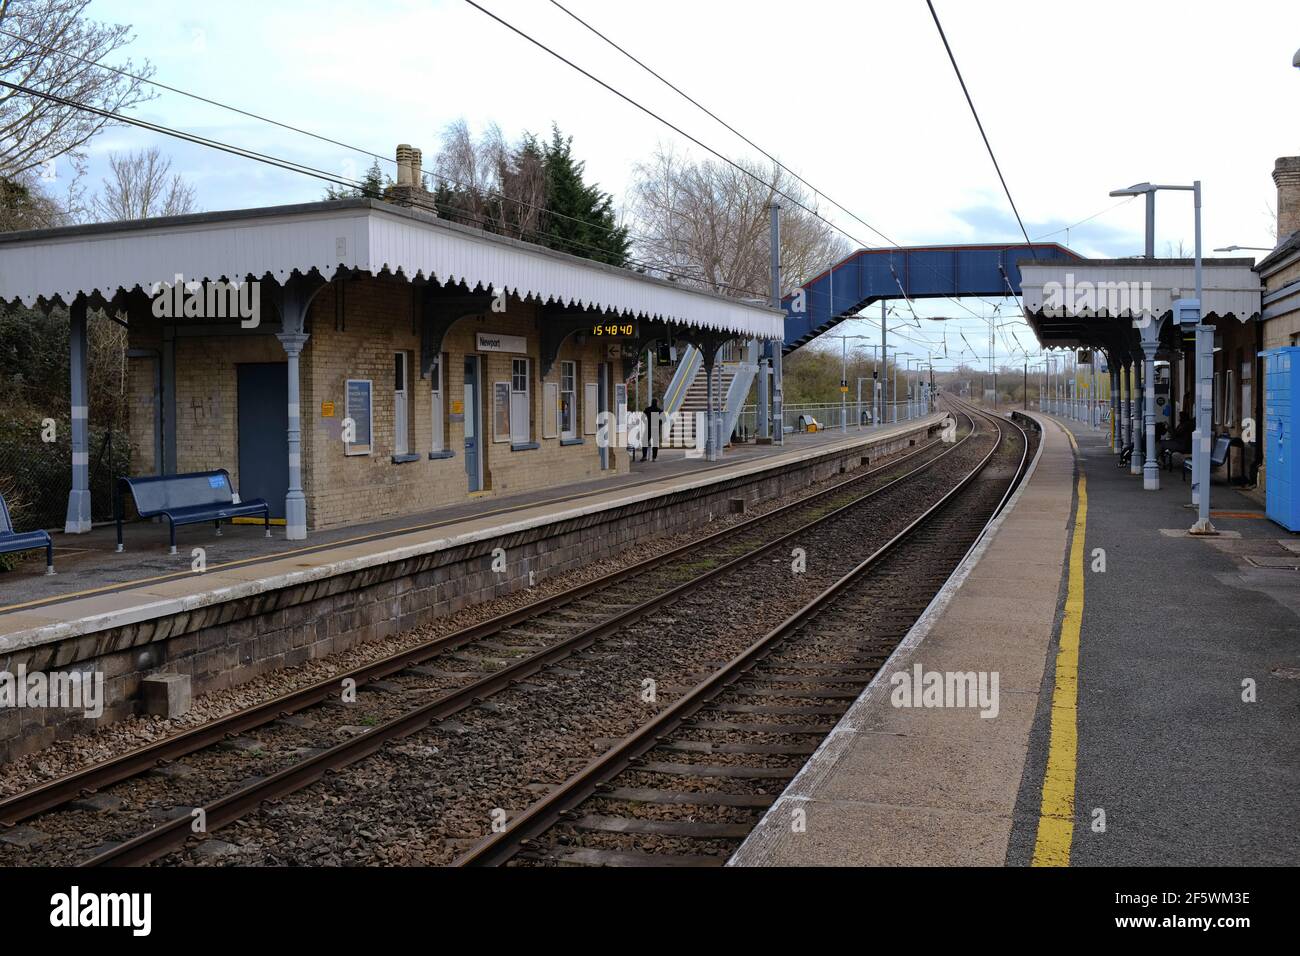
x: 226, y: 644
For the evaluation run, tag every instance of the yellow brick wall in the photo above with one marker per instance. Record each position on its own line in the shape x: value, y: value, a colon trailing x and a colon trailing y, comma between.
x: 342, y: 488
x: 379, y: 320
x: 207, y: 400
x: 141, y: 409
x: 1284, y: 329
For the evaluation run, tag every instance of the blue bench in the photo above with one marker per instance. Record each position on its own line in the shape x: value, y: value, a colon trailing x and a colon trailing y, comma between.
x: 1218, y: 457
x: 11, y: 541
x: 194, y: 498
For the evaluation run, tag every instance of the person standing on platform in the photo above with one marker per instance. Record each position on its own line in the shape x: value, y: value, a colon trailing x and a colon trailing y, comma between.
x: 650, y: 442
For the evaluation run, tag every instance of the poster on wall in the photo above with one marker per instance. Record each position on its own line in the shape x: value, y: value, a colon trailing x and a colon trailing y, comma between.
x: 590, y: 397
x: 359, y: 412
x: 501, y: 411
x: 620, y: 405
x: 551, y: 410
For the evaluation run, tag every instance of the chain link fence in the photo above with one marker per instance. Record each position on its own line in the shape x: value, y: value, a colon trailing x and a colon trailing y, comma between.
x: 36, y: 475
x: 35, y: 416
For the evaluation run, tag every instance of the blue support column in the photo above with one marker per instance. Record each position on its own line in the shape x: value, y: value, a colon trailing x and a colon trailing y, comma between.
x: 1151, y: 465
x: 78, y: 516
x: 1116, y: 437
x: 294, y: 300
x: 1202, y: 437
x: 1136, y: 462
x: 295, y: 501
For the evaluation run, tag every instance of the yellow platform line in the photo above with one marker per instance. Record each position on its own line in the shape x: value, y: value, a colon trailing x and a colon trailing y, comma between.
x: 1056, y: 818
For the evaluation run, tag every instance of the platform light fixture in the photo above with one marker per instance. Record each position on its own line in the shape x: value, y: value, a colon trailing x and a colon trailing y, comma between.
x: 1148, y: 190
x: 1235, y: 248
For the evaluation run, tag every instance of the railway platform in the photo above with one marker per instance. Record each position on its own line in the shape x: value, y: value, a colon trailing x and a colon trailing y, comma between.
x: 259, y: 604
x: 1146, y: 687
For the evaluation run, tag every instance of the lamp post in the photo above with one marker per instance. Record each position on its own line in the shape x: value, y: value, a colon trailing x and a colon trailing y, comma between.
x: 913, y: 387
x: 844, y: 379
x: 894, y: 410
x: 1144, y: 189
x: 1151, y: 342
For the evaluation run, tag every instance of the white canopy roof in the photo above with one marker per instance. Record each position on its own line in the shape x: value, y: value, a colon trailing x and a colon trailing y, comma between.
x: 1231, y: 287
x: 361, y: 234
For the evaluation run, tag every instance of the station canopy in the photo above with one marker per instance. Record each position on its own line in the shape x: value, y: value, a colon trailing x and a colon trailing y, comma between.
x: 347, y: 235
x: 1092, y: 303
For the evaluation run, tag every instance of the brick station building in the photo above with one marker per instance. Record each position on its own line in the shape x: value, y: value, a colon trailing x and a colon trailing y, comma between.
x: 382, y: 361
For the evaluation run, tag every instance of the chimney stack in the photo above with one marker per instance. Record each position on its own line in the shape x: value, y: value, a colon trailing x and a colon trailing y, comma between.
x: 417, y: 171
x: 403, y: 164
x: 1286, y: 174
x: 409, y: 189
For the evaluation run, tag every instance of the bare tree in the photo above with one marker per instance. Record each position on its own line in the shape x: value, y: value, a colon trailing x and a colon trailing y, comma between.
x: 490, y: 182
x: 707, y: 223
x: 47, y: 45
x: 142, y: 186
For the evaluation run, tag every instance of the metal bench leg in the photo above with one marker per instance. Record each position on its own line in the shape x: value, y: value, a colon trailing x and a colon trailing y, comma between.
x: 266, y: 522
x: 217, y: 523
x: 171, y: 525
x: 49, y: 558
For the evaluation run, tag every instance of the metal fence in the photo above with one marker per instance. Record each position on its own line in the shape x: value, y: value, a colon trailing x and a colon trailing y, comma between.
x: 831, y: 415
x: 36, y: 475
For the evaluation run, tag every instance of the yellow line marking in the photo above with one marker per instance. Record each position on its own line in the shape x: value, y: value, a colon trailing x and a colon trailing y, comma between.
x: 1056, y: 819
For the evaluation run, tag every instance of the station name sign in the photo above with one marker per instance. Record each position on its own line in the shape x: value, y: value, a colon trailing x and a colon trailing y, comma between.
x: 492, y: 342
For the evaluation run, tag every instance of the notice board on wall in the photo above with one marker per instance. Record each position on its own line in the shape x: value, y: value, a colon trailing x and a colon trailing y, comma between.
x: 501, y: 411
x: 360, y: 415
x: 550, y: 410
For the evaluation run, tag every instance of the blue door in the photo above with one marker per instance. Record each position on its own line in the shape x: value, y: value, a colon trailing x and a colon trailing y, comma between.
x: 263, y: 433
x: 473, y: 427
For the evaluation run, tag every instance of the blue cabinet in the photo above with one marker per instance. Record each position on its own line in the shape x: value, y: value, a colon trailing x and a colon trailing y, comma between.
x: 1281, y: 454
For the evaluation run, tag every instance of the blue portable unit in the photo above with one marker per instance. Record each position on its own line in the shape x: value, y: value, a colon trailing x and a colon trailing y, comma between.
x: 1281, y: 456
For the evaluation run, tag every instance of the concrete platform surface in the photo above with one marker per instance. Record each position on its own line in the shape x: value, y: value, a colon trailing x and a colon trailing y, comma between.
x: 1174, y: 742
x: 898, y: 786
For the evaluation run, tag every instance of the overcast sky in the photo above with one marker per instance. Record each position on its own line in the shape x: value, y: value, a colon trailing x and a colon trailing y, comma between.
x: 858, y: 98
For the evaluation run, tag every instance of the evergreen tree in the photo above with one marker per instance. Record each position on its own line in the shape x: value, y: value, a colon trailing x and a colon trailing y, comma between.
x: 372, y: 186
x: 579, y: 217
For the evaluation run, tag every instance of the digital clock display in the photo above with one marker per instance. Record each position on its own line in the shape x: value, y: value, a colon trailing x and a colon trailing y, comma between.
x: 614, y: 330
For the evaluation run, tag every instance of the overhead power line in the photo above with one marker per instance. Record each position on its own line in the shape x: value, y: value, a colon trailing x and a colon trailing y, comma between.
x: 331, y: 178
x: 492, y: 194
x: 891, y: 242
x: 975, y: 113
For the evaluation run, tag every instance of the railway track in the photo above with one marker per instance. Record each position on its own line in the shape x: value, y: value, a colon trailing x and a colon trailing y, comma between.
x: 514, y: 646
x: 689, y: 785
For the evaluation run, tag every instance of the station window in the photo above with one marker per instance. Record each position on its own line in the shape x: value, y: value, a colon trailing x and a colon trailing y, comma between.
x: 520, y: 404
x: 439, y: 437
x: 568, y: 400
x: 401, y: 405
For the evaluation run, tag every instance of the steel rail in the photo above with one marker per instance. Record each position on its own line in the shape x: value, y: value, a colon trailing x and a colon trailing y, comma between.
x: 549, y: 810
x: 27, y: 803
x: 166, y: 837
